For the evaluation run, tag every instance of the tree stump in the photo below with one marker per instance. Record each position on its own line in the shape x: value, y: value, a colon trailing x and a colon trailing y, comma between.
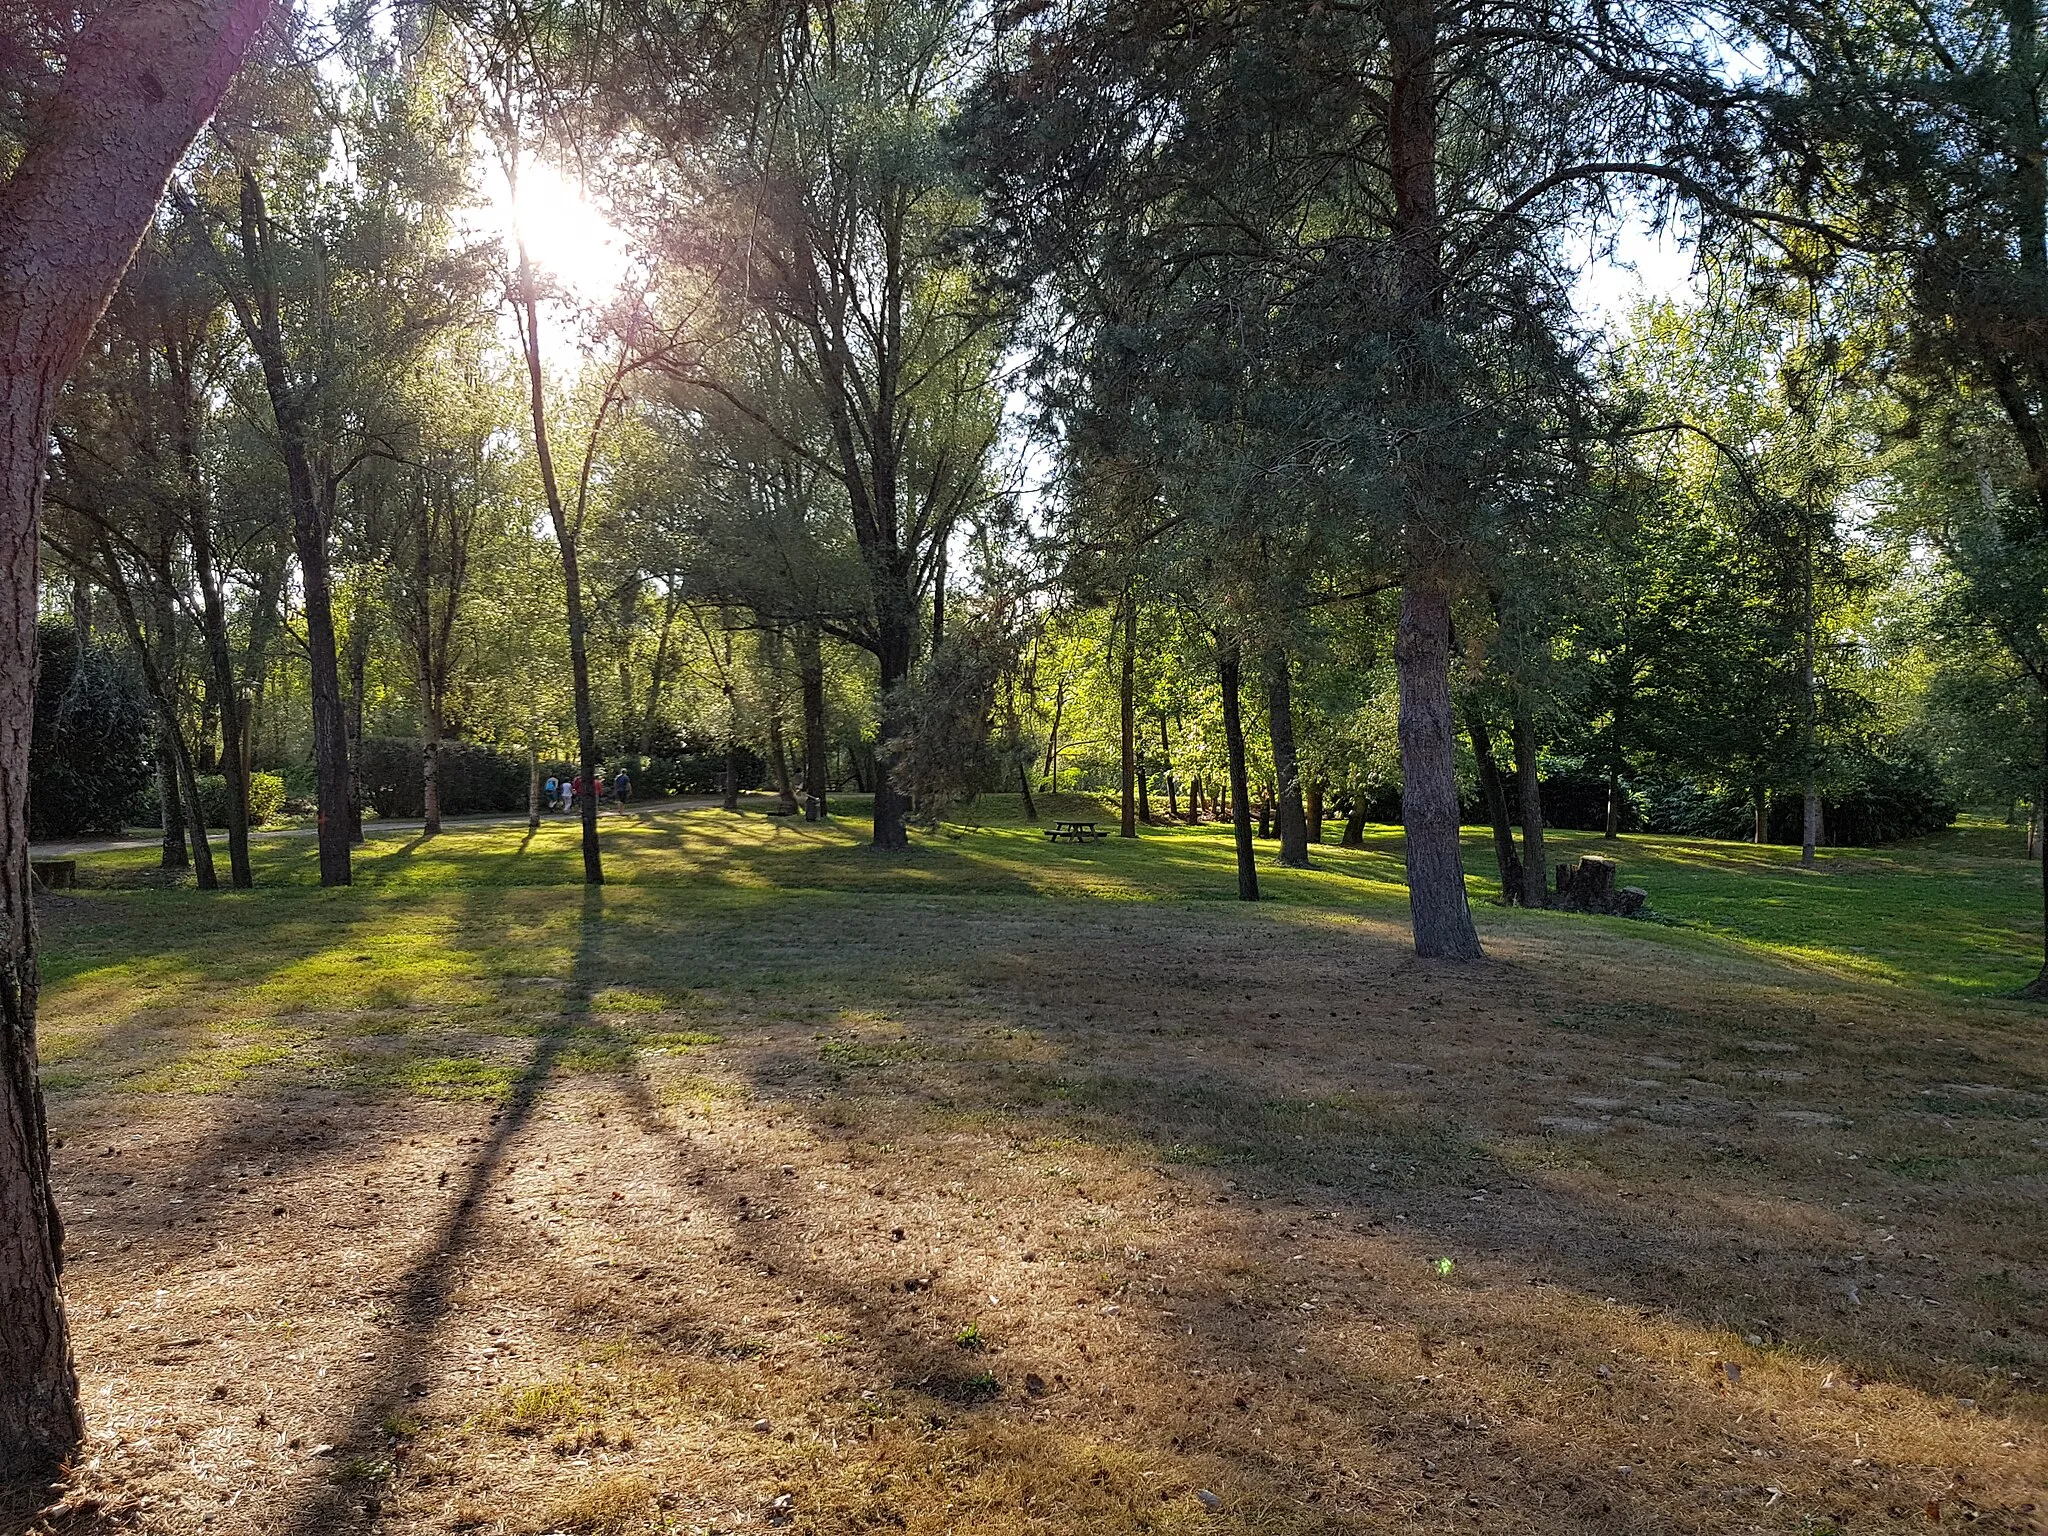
x: 55, y: 874
x: 1590, y: 887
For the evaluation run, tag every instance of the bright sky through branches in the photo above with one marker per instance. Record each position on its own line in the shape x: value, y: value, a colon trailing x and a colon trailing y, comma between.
x: 568, y: 238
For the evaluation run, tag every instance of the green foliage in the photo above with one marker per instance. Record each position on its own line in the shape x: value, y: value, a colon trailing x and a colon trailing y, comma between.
x: 266, y: 798
x: 91, y: 747
x: 473, y: 778
x: 944, y: 753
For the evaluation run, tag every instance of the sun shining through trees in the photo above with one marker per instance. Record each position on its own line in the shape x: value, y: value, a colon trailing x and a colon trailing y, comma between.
x: 913, y: 766
x: 567, y: 235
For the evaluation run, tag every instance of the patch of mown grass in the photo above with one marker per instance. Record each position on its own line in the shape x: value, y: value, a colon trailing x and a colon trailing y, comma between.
x: 710, y: 917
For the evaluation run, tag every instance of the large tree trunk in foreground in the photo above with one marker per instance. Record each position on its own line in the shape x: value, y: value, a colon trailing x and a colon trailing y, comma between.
x: 1438, y: 909
x: 141, y: 79
x: 1535, y: 871
x: 1240, y: 795
x: 1292, y: 817
x: 1437, y: 906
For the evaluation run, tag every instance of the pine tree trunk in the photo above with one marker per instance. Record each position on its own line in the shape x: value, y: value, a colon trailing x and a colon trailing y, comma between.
x: 1166, y: 769
x: 1504, y: 856
x: 1763, y: 817
x: 1127, y: 740
x: 358, y: 674
x: 1050, y: 774
x: 1292, y: 818
x: 1535, y: 872
x: 213, y: 614
x: 811, y: 667
x: 213, y: 617
x: 572, y: 579
x: 785, y: 791
x: 2037, y: 989
x: 195, y: 815
x: 169, y: 732
x: 430, y: 776
x: 532, y: 788
x: 657, y: 673
x: 1438, y: 909
x: 171, y: 806
x: 71, y: 212
x: 1354, y: 826
x: 1240, y: 799
x: 895, y: 629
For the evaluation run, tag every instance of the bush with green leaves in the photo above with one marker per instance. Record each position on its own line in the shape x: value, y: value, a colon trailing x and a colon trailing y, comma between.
x: 266, y: 798
x: 92, y: 744
x: 474, y: 778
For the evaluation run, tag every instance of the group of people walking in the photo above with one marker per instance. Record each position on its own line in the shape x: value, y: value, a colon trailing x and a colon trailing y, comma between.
x: 566, y: 794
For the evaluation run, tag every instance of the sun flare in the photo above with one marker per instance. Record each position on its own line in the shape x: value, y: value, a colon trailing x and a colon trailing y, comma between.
x: 567, y: 236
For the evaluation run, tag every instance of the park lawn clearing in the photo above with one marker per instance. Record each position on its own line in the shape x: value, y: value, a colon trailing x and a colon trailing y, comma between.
x: 1005, y: 1188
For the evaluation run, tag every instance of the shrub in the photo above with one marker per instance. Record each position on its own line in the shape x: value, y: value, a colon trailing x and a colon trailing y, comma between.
x: 698, y: 771
x: 92, y: 744
x: 474, y: 778
x: 266, y: 798
x: 1869, y: 798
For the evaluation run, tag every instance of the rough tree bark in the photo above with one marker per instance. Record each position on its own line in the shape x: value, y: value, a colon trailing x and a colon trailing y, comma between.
x: 1438, y: 908
x: 778, y: 753
x: 171, y: 806
x: 1293, y: 819
x: 1528, y: 785
x: 811, y: 668
x: 139, y: 82
x: 1354, y: 826
x: 1127, y: 700
x: 1504, y: 855
x: 2037, y: 989
x: 1227, y: 669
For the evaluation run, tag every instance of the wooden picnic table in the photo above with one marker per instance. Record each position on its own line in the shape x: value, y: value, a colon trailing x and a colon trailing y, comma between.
x: 1075, y: 831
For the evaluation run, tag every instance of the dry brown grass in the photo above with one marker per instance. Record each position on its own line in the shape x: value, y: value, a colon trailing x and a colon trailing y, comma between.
x: 1727, y: 1253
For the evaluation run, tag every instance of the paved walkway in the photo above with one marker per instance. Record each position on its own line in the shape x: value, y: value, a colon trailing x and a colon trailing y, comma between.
x: 375, y: 827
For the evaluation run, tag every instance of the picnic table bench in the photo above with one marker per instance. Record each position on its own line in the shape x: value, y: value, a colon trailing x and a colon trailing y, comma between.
x: 1075, y: 831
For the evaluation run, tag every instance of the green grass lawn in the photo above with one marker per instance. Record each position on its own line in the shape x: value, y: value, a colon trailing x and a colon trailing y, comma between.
x: 1958, y: 913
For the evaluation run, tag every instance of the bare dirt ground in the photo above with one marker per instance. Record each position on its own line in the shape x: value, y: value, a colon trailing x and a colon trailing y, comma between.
x: 1068, y: 1218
